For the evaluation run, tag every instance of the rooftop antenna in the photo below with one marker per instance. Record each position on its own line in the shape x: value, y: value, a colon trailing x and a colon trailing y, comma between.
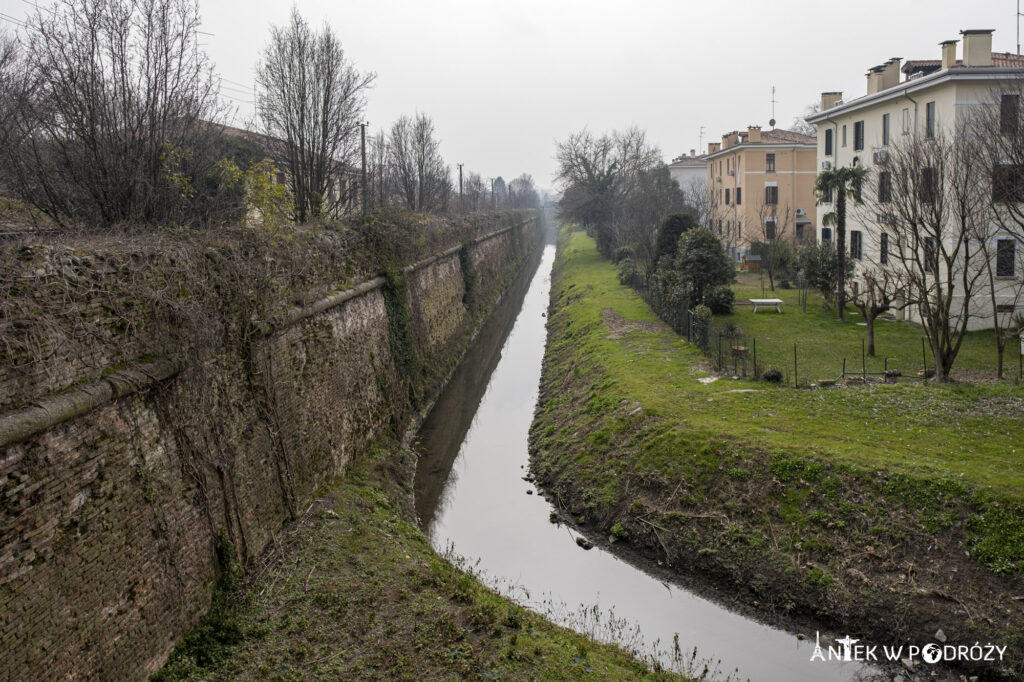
x: 700, y: 144
x: 1018, y: 28
x: 772, y: 121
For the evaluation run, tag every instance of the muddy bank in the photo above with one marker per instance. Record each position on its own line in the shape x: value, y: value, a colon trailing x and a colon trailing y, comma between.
x: 880, y: 555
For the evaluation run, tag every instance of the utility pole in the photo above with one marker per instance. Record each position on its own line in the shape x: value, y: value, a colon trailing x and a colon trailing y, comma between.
x: 365, y: 188
x: 700, y: 143
x: 461, y: 207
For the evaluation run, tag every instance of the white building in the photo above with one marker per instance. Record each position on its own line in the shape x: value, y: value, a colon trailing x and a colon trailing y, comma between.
x: 928, y: 102
x: 690, y: 171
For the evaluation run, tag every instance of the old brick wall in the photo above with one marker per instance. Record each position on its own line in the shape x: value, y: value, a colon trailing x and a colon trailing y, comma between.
x: 108, y: 520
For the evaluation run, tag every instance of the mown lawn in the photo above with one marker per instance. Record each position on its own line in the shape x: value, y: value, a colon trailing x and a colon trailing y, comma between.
x: 823, y: 341
x: 973, y: 434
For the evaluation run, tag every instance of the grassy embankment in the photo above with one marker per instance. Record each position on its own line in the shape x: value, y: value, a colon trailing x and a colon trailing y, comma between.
x: 354, y: 591
x: 823, y: 341
x: 891, y: 510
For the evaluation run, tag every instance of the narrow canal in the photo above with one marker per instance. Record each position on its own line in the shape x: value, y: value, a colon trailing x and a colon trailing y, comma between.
x: 471, y: 497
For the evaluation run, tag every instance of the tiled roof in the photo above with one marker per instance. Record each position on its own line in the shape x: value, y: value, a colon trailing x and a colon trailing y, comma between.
x: 1003, y: 59
x: 684, y: 160
x: 780, y: 136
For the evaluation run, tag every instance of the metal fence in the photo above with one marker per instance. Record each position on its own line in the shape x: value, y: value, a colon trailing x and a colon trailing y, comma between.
x: 736, y: 354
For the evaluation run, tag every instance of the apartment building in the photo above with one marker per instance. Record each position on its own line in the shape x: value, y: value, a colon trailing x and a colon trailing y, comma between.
x: 690, y: 171
x: 915, y: 100
x: 761, y: 187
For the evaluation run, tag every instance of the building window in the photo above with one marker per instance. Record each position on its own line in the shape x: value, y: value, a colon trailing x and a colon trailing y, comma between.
x: 826, y: 234
x: 885, y: 130
x: 1008, y: 183
x: 1004, y: 258
x: 771, y: 194
x: 769, y: 228
x: 858, y: 136
x: 885, y: 187
x: 800, y: 232
x: 739, y: 196
x: 719, y: 226
x: 844, y: 136
x: 929, y: 254
x: 856, y: 250
x: 769, y: 163
x: 929, y: 120
x: 926, y: 191
x: 1009, y: 113
x: 906, y: 121
x: 828, y: 143
x: 883, y: 249
x: 726, y: 197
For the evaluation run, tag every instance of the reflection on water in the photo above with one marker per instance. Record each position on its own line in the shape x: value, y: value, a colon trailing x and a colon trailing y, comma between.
x: 470, y: 495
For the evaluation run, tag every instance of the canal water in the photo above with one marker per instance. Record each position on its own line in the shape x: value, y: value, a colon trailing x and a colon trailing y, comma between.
x: 472, y: 501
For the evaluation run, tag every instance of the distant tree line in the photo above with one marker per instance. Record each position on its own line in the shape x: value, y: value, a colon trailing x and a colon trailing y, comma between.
x: 110, y: 114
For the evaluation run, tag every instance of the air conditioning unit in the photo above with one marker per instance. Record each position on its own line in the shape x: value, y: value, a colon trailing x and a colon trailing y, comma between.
x: 800, y: 211
x: 826, y: 165
x: 731, y: 172
x: 881, y: 156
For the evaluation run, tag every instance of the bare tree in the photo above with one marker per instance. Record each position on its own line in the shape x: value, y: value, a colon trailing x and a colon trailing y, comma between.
x: 696, y: 196
x: 653, y: 196
x: 421, y: 179
x: 994, y: 126
x: 883, y: 289
x: 769, y: 228
x: 800, y: 124
x: 107, y: 93
x: 928, y: 196
x: 311, y: 99
x: 522, y: 193
x: 596, y: 174
x: 475, y: 192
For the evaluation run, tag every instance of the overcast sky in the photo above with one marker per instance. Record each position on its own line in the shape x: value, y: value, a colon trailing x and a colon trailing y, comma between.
x: 504, y: 81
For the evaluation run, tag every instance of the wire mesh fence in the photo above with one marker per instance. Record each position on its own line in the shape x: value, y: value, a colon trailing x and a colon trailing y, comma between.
x: 731, y: 352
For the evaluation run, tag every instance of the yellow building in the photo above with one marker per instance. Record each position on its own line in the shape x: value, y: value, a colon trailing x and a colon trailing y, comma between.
x: 761, y: 187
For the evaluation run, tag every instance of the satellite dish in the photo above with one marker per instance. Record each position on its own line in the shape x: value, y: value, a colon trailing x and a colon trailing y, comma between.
x: 771, y: 123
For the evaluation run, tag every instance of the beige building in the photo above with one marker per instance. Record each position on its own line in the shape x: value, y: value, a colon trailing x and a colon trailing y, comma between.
x: 927, y: 102
x: 761, y: 187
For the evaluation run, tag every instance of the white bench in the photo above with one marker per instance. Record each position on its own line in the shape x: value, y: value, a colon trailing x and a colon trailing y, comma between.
x: 777, y: 302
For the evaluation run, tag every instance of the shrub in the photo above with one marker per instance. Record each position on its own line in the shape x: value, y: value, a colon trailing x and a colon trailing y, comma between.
x: 731, y: 330
x: 702, y: 313
x: 671, y: 228
x: 702, y: 262
x: 622, y: 253
x: 625, y: 271
x: 720, y: 298
x: 773, y: 375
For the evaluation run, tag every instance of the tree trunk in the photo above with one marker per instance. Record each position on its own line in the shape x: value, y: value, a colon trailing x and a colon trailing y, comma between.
x: 841, y: 250
x: 870, y: 317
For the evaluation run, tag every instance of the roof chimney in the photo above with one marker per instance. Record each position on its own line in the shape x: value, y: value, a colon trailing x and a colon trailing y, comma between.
x: 730, y: 139
x: 693, y: 152
x: 891, y: 74
x: 829, y: 99
x: 949, y: 53
x: 977, y: 46
x: 874, y: 79
x: 754, y: 134
x: 713, y: 147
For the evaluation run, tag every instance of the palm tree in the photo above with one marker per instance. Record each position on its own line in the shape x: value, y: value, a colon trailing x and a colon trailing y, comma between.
x: 840, y: 182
